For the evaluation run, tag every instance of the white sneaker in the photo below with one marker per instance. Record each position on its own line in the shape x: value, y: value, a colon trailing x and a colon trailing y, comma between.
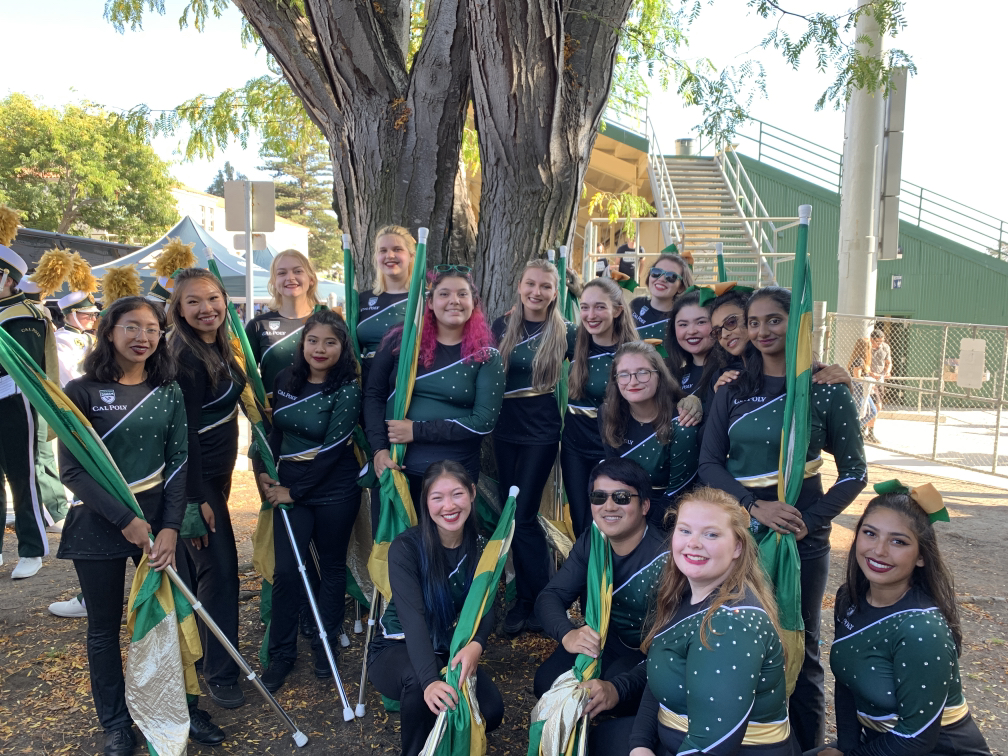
x: 72, y: 608
x: 56, y: 527
x: 26, y: 567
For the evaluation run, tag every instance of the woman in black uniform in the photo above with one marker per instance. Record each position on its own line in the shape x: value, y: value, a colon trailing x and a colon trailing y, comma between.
x: 688, y: 341
x: 898, y: 690
x: 605, y: 326
x: 533, y: 348
x: 211, y: 383
x: 639, y: 421
x: 315, y: 409
x: 458, y: 389
x: 128, y: 367
x: 715, y: 667
x: 669, y: 277
x: 385, y: 307
x: 431, y: 567
x: 740, y: 454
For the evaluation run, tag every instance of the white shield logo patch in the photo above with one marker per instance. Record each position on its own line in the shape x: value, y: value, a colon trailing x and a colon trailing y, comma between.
x: 107, y: 395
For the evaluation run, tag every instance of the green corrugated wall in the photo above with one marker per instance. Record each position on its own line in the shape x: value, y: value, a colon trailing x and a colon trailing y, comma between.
x: 942, y: 280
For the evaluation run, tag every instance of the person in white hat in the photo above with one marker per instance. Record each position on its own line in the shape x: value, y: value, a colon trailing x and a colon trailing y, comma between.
x: 75, y: 339
x: 28, y: 325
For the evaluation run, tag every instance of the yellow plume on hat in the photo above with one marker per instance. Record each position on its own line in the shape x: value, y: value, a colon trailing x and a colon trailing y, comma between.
x: 52, y: 271
x: 174, y: 255
x: 10, y: 219
x: 81, y: 278
x: 120, y: 282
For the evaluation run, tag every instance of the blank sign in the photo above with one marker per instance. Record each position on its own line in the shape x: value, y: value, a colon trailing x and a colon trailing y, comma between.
x: 971, y: 363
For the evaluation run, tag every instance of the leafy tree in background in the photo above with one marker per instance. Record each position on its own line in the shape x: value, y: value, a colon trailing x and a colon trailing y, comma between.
x: 72, y: 171
x: 303, y: 177
x: 227, y: 173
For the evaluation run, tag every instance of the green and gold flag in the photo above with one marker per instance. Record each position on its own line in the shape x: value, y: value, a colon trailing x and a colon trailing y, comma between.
x: 557, y: 726
x: 165, y: 641
x: 396, y: 512
x: 351, y: 302
x: 779, y: 552
x: 462, y: 732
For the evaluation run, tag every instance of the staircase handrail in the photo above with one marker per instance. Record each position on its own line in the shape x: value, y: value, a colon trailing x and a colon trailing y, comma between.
x: 735, y: 172
x: 668, y: 202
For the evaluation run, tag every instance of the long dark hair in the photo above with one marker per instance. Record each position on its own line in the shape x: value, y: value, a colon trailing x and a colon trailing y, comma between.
x: 934, y: 578
x: 750, y: 383
x: 434, y: 567
x: 100, y: 364
x: 615, y: 412
x: 344, y: 371
x: 217, y: 358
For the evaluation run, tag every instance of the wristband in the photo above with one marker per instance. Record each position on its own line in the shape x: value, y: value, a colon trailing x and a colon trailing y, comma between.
x: 748, y: 502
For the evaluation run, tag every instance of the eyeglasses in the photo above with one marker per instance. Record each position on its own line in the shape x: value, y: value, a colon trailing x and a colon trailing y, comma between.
x: 621, y: 498
x: 668, y: 275
x: 465, y: 270
x: 133, y: 331
x: 643, y: 376
x: 730, y: 324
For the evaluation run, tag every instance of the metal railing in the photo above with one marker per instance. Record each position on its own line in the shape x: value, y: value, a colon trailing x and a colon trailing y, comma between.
x: 664, y: 195
x: 942, y: 401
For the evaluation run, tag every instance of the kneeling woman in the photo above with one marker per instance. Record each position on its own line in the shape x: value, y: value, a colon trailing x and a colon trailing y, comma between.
x: 431, y: 568
x: 639, y: 421
x: 715, y: 660
x: 316, y: 405
x: 898, y: 689
x: 128, y: 367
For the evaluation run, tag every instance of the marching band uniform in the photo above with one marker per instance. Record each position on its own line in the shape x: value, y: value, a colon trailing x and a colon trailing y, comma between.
x: 651, y: 323
x: 274, y: 340
x: 73, y: 343
x: 377, y: 314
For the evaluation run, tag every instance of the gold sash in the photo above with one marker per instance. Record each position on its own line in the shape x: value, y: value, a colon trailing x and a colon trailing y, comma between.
x: 525, y: 393
x: 586, y: 411
x: 950, y: 716
x: 147, y: 483
x: 763, y: 481
x: 757, y: 733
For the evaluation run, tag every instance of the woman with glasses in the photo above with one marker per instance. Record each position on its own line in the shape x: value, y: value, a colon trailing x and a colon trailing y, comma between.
x: 458, y: 389
x: 385, y: 307
x: 740, y: 454
x: 534, y: 340
x: 605, y: 327
x: 639, y: 421
x: 128, y: 394
x: 669, y: 277
x: 211, y: 382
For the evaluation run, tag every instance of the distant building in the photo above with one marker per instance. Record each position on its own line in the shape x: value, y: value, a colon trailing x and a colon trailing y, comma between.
x: 31, y: 244
x: 208, y: 210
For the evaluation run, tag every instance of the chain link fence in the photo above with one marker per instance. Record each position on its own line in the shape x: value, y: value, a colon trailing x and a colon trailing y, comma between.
x: 944, y: 398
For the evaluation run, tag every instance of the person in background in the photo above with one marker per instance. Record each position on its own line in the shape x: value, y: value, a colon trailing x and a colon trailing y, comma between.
x: 715, y: 661
x: 669, y: 277
x: 534, y: 340
x: 895, y: 654
x: 431, y: 568
x: 858, y: 369
x: 880, y: 370
x: 211, y: 382
x: 601, y: 261
x: 619, y: 490
x: 627, y: 256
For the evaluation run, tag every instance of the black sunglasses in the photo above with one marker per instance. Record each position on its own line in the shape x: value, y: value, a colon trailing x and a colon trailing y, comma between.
x: 668, y: 275
x: 620, y: 498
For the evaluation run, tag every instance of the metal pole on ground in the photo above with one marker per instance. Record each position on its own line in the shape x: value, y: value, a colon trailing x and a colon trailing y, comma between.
x: 372, y: 615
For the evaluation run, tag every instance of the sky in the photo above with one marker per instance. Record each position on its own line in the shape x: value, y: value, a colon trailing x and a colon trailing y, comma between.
x: 955, y: 105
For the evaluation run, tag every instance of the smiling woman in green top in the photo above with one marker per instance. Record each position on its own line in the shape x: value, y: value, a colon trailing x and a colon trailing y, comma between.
x: 384, y: 307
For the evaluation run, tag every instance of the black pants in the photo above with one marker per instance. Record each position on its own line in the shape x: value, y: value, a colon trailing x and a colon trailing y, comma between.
x: 103, y: 583
x: 391, y: 672
x: 330, y: 527
x: 576, y: 469
x: 18, y: 451
x: 807, y: 705
x: 217, y: 585
x: 528, y: 467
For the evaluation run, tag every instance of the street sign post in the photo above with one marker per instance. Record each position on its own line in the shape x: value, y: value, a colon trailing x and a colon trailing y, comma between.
x: 249, y: 205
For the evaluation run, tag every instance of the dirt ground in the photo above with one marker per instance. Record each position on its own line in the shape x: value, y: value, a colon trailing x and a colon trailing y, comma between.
x: 45, y: 699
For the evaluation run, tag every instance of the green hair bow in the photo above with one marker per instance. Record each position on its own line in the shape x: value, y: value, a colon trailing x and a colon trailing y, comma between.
x: 925, y: 496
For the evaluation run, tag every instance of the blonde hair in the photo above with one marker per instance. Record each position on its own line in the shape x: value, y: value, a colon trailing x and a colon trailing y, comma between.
x: 623, y: 331
x: 408, y: 241
x: 275, y: 298
x: 549, y: 356
x: 746, y: 573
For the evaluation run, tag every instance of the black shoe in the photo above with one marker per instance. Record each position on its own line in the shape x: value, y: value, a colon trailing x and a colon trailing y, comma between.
x: 321, y: 667
x: 120, y: 742
x: 226, y: 696
x: 274, y: 677
x: 308, y: 627
x: 532, y: 624
x: 202, y: 730
x: 517, y: 618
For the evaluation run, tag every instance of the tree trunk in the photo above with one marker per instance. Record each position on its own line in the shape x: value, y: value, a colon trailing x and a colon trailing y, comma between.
x: 394, y: 131
x: 541, y: 75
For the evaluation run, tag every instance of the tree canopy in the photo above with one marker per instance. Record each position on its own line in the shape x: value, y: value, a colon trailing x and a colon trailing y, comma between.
x: 72, y: 171
x: 227, y: 173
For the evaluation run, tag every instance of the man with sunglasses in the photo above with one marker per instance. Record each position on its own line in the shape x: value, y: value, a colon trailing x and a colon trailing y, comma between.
x: 619, y: 507
x: 667, y: 279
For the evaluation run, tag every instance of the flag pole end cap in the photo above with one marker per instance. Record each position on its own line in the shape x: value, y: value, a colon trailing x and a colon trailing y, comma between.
x: 422, y: 235
x: 804, y: 213
x: 513, y: 491
x: 300, y: 739
x: 346, y: 241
